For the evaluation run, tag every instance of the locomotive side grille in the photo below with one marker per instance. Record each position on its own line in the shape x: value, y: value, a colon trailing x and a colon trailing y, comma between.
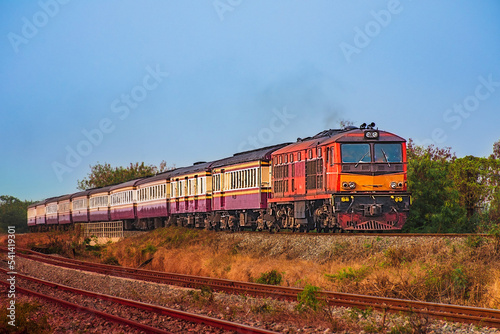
x: 314, y: 174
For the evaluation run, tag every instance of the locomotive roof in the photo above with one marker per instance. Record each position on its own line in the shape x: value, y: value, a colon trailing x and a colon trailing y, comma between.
x: 350, y: 134
x: 258, y: 154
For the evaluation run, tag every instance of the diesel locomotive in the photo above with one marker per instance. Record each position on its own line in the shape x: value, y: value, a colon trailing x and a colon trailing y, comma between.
x: 350, y: 179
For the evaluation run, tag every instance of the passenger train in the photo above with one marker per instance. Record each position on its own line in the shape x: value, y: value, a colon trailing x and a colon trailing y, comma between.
x: 350, y: 179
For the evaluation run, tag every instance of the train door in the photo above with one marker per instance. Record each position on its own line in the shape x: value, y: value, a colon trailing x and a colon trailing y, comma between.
x: 330, y: 174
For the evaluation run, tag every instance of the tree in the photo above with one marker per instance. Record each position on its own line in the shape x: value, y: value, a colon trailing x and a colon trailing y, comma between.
x: 496, y: 150
x: 430, y: 152
x: 476, y: 181
x: 435, y: 206
x: 102, y: 175
x: 13, y: 213
x: 494, y: 204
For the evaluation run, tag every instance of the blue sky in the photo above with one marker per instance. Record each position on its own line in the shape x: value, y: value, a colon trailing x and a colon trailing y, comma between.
x: 183, y: 81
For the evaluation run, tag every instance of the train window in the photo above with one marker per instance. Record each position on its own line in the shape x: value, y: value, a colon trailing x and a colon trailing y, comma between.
x: 291, y: 157
x: 299, y: 156
x: 356, y: 153
x: 280, y: 159
x: 388, y: 153
x: 331, y: 155
x: 310, y: 154
x: 285, y: 158
x: 319, y: 152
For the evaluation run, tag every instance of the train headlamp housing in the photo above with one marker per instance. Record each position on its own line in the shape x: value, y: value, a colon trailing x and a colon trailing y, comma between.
x: 395, y: 184
x: 348, y: 185
x: 371, y: 134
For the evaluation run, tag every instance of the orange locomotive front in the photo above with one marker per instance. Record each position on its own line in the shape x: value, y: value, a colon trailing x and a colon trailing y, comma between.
x: 349, y: 179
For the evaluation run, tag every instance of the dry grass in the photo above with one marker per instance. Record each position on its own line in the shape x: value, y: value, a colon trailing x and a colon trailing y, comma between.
x: 455, y: 271
x: 460, y: 271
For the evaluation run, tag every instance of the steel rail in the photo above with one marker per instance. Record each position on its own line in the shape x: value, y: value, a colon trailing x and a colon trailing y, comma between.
x: 104, y: 315
x: 481, y: 316
x: 186, y: 316
x: 386, y: 234
x: 162, y: 277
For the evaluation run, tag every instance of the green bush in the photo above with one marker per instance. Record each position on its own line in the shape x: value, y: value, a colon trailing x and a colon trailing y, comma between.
x: 349, y: 274
x: 272, y: 277
x: 308, y: 298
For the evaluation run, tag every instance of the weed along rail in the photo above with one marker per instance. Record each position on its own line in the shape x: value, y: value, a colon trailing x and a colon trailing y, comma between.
x: 182, y: 315
x: 475, y: 315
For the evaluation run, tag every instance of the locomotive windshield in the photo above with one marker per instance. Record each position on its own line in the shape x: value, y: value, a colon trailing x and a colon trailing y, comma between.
x: 356, y: 153
x: 360, y: 153
x: 388, y: 153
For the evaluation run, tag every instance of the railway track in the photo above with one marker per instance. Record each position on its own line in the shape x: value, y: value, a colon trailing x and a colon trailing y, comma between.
x: 480, y: 316
x: 50, y: 289
x: 387, y: 234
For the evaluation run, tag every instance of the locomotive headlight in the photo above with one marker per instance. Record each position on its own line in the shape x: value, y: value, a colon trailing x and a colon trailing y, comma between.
x: 400, y: 184
x: 393, y: 185
x: 348, y: 185
x: 371, y: 134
